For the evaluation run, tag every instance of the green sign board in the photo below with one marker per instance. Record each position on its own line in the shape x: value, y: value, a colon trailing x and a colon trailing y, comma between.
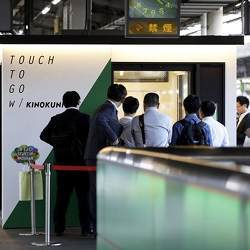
x: 152, y: 18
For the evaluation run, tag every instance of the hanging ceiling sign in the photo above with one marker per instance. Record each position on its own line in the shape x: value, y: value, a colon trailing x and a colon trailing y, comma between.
x: 152, y: 18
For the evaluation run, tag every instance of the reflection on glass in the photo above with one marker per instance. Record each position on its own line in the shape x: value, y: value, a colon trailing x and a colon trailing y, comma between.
x: 152, y: 8
x: 171, y: 86
x: 66, y: 17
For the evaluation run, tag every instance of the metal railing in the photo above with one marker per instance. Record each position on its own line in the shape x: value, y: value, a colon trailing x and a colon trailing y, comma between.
x: 167, y: 201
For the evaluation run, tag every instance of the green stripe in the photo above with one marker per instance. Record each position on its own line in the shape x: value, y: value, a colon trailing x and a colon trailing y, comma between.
x: 20, y: 217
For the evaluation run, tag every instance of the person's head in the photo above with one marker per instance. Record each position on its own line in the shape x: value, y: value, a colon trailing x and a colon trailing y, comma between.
x: 130, y: 105
x: 242, y: 103
x: 71, y: 99
x: 192, y: 104
x: 151, y: 100
x: 207, y: 108
x: 117, y: 93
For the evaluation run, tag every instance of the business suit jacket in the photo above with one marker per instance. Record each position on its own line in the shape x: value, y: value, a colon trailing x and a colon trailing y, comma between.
x: 67, y: 181
x: 82, y: 128
x: 241, y: 129
x: 104, y: 130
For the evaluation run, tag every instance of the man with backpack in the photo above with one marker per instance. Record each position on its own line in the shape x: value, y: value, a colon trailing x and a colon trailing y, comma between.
x: 191, y: 130
x: 67, y: 132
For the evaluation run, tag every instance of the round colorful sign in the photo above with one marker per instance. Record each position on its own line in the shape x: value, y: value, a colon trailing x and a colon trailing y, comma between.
x: 24, y: 154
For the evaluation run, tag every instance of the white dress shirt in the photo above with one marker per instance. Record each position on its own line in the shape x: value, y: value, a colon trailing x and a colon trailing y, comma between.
x: 126, y: 135
x: 219, y: 132
x: 157, y: 126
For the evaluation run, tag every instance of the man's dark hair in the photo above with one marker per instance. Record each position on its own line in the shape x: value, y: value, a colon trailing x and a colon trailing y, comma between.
x: 242, y: 100
x: 192, y: 104
x: 151, y: 99
x: 208, y: 108
x: 117, y: 92
x: 130, y: 105
x: 71, y: 99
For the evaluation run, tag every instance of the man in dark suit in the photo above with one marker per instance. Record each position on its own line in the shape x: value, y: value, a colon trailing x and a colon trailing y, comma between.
x: 243, y: 124
x: 105, y: 130
x: 67, y: 132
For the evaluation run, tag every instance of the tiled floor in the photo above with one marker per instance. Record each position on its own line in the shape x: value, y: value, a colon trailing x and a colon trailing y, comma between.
x: 11, y: 240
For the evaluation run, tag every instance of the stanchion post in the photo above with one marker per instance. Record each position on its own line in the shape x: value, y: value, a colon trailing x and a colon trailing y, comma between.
x: 47, y: 210
x: 32, y: 203
x: 47, y: 205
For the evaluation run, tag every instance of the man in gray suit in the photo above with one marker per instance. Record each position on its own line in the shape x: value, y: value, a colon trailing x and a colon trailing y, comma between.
x: 153, y: 129
x: 105, y: 130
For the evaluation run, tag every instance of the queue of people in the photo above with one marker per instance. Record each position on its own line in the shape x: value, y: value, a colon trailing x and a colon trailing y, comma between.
x: 77, y: 139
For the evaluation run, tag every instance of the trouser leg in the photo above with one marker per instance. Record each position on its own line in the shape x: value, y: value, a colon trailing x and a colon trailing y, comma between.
x: 82, y: 189
x: 92, y: 199
x: 64, y: 190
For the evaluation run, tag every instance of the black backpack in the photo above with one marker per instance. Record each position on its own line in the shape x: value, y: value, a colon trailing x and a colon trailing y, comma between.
x: 193, y: 134
x: 65, y: 141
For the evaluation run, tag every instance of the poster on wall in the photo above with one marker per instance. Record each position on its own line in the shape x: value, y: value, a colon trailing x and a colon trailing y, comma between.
x: 34, y: 79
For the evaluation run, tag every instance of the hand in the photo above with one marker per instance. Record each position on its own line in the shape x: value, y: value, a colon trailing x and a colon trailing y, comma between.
x: 115, y: 143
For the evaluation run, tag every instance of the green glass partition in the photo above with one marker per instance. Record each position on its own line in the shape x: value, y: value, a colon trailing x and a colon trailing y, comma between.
x: 140, y: 208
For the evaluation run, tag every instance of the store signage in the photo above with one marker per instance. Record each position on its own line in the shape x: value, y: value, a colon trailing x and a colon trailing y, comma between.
x: 152, y: 18
x: 25, y: 154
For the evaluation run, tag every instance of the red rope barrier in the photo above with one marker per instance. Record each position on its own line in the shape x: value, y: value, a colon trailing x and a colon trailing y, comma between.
x: 74, y: 168
x: 37, y: 166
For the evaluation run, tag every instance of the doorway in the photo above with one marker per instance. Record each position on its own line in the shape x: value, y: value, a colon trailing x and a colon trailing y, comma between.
x: 171, y: 85
x: 173, y: 82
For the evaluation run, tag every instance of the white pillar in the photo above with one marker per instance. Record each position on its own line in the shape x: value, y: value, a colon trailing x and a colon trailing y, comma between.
x: 215, y: 22
x: 66, y: 16
x: 77, y: 17
x: 204, y: 24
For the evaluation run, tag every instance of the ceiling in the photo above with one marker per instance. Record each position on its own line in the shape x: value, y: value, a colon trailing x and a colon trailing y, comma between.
x: 191, y: 10
x: 109, y: 14
x: 195, y: 8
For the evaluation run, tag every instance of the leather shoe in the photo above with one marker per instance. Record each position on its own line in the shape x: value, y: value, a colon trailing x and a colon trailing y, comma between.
x: 90, y: 234
x: 59, y: 234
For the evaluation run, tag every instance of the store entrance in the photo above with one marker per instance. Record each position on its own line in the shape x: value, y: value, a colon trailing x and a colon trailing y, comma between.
x: 173, y: 82
x: 171, y: 85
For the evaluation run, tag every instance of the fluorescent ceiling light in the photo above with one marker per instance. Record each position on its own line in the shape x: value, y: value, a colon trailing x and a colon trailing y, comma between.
x: 46, y: 10
x: 239, y: 4
x: 55, y: 2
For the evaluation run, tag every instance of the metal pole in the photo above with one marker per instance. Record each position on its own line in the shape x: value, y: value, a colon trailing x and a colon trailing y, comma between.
x: 27, y: 13
x: 47, y: 206
x: 47, y: 210
x: 204, y: 24
x: 32, y: 202
x: 243, y: 17
x: 89, y: 15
